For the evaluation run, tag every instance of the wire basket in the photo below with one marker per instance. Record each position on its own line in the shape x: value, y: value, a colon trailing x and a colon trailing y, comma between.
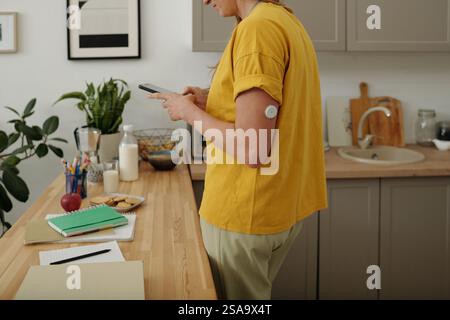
x: 154, y: 140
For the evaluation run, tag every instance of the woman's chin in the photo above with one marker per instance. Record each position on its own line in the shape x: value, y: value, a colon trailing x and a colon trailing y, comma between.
x: 225, y: 15
x: 222, y: 13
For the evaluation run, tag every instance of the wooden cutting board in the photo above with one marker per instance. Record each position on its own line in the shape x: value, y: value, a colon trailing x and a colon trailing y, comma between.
x: 388, y: 131
x: 357, y: 109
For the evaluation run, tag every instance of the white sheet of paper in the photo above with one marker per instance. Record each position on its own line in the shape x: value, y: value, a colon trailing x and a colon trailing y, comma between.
x: 115, y: 255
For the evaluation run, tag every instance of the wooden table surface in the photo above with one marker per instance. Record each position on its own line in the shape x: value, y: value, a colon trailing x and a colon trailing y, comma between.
x: 436, y: 164
x: 167, y: 237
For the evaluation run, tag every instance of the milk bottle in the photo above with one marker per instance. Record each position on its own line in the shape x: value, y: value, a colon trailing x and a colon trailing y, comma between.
x: 128, y: 156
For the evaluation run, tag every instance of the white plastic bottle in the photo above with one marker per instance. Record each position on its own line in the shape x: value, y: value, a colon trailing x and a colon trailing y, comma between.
x: 128, y: 156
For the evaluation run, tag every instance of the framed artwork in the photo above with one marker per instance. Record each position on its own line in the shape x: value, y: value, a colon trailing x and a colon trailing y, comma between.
x: 8, y: 32
x: 103, y: 29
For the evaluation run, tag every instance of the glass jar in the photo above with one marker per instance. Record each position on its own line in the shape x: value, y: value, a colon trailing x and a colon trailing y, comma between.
x: 77, y: 183
x: 111, y: 176
x: 443, y: 130
x: 426, y: 127
x: 95, y: 173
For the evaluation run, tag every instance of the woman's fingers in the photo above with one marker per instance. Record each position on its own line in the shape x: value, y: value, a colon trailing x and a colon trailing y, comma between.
x: 186, y: 91
x: 189, y: 90
x: 159, y: 96
x: 191, y: 97
x: 156, y: 96
x: 192, y: 90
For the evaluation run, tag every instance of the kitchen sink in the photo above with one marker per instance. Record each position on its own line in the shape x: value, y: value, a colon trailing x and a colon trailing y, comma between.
x: 381, y: 155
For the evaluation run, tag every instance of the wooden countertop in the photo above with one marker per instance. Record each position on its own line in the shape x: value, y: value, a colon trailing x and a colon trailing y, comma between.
x: 167, y: 237
x: 437, y: 163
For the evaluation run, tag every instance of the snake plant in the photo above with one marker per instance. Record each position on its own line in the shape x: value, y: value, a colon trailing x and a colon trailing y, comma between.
x: 103, y: 104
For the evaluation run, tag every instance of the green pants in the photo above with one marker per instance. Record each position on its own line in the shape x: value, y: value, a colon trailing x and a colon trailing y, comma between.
x: 244, y: 266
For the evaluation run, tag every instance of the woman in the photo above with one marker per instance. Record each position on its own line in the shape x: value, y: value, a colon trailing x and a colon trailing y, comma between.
x: 249, y: 220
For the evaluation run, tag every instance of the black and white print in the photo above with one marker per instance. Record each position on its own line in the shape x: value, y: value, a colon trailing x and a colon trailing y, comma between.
x: 107, y: 29
x: 8, y: 37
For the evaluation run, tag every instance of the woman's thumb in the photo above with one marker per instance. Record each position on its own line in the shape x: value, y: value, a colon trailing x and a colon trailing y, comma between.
x: 187, y: 90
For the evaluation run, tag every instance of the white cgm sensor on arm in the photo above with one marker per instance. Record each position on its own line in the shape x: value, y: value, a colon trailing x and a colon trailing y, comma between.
x: 271, y: 112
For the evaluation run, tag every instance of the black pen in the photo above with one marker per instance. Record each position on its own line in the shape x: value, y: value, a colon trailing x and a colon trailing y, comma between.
x: 81, y: 257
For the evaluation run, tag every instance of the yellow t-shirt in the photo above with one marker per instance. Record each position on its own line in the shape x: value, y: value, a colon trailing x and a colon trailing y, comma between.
x: 271, y: 50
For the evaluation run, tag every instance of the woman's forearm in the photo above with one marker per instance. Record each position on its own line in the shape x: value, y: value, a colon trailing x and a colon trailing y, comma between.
x: 208, y: 122
x: 230, y: 143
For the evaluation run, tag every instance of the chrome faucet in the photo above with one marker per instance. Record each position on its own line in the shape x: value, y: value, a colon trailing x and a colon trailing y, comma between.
x: 365, y: 142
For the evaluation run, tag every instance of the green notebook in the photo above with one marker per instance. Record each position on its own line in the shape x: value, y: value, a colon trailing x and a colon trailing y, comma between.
x: 88, y: 220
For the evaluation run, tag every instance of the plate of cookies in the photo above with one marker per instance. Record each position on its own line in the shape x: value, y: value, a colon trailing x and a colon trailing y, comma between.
x: 118, y: 201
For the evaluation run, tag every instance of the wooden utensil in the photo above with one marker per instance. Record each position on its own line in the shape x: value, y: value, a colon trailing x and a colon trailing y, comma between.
x: 387, y: 131
x: 357, y: 109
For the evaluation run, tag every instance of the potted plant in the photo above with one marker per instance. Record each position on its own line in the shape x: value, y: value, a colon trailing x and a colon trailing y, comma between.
x: 103, y: 106
x: 24, y: 143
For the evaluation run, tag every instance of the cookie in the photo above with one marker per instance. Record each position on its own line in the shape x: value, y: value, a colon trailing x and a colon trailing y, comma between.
x: 120, y: 198
x: 100, y: 200
x: 132, y: 201
x: 123, y: 205
x: 111, y: 203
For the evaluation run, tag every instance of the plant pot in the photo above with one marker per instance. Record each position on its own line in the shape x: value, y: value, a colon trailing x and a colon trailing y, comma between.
x: 109, y: 146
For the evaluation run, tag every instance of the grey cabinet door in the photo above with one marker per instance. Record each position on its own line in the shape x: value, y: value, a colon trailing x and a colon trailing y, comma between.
x: 406, y: 25
x: 348, y: 239
x: 415, y: 238
x: 297, y: 278
x: 323, y: 19
x: 210, y: 32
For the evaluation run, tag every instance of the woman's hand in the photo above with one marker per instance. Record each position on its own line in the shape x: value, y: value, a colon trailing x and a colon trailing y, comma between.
x: 178, y: 106
x: 201, y: 96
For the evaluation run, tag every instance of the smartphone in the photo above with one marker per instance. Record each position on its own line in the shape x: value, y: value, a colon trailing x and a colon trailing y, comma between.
x: 152, y: 88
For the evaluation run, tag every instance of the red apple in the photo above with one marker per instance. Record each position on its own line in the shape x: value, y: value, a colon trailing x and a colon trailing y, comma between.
x: 71, y: 202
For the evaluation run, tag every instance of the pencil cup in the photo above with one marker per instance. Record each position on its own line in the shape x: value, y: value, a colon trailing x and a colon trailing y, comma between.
x: 77, y: 183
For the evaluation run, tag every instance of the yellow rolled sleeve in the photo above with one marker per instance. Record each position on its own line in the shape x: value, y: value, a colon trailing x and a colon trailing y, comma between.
x: 257, y: 70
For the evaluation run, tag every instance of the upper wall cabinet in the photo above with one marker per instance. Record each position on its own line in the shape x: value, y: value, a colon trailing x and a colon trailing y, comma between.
x: 323, y: 19
x: 210, y: 31
x: 398, y: 25
x: 352, y: 25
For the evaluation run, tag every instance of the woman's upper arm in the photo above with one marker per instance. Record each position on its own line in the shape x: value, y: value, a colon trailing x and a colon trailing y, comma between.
x: 250, y: 110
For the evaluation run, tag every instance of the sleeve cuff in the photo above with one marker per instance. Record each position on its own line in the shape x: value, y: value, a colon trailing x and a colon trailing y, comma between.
x: 270, y: 85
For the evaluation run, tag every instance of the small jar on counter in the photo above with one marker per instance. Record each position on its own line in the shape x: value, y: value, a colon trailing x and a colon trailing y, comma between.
x: 426, y: 127
x: 443, y: 130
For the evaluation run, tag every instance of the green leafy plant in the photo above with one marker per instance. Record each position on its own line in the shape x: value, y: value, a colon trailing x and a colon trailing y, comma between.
x: 103, y: 104
x: 24, y: 143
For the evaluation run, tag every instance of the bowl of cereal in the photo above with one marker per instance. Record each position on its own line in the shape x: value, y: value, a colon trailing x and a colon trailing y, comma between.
x: 155, y: 147
x: 161, y: 160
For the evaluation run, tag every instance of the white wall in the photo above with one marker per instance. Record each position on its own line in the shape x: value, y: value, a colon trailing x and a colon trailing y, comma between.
x: 40, y: 69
